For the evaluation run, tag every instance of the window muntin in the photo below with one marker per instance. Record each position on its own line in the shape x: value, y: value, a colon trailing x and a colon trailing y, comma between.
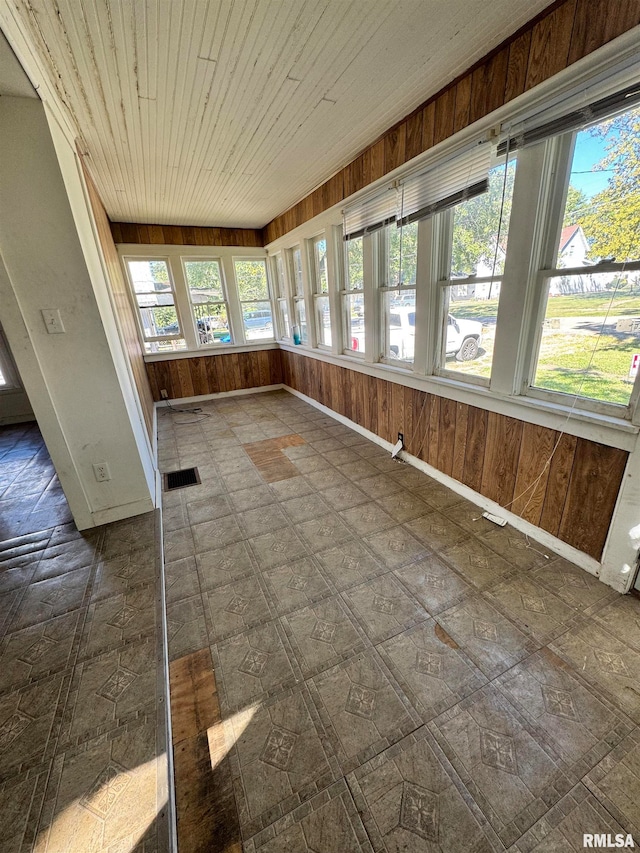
x: 398, y: 254
x: 476, y: 234
x: 154, y: 296
x: 353, y: 301
x: 253, y: 292
x: 590, y: 331
x: 321, y: 302
x: 209, y: 304
x: 281, y: 297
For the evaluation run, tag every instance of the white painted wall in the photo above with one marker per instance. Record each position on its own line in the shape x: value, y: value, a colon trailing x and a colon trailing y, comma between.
x: 71, y: 378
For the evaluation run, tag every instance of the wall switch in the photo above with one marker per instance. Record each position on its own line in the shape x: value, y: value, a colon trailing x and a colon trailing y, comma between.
x: 101, y: 471
x: 53, y: 321
x: 163, y: 394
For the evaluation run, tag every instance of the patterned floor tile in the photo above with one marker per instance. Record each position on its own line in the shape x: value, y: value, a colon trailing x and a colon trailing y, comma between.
x: 61, y: 558
x: 245, y: 499
x: 344, y: 497
x: 573, y: 585
x: 108, y: 690
x: 294, y: 487
x: 432, y: 670
x: 224, y: 565
x: 491, y: 641
x: 236, y: 607
x: 214, y: 534
x: 253, y: 665
x: 208, y: 509
x: 411, y: 803
x: 382, y: 608
x: 362, y: 709
x: 437, y: 495
x: 117, y: 575
x: 28, y: 718
x: 20, y: 802
x: 296, y: 585
x: 434, y: 584
x: 181, y: 579
x: 469, y: 516
x: 477, y: 563
x: 321, y: 533
x: 256, y: 522
x: 607, y: 662
x: 328, y: 822
x: 322, y: 635
x: 358, y: 470
x: 531, y: 606
x: 622, y: 618
x: 404, y: 506
x: 110, y: 622
x: 379, y: 485
x: 279, y: 758
x: 516, y: 548
x: 36, y: 652
x: 277, y: 548
x: 349, y: 564
x: 104, y: 795
x: 186, y: 626
x: 367, y: 518
x: 436, y: 531
x: 507, y: 772
x: 305, y: 507
x: 565, y: 825
x: 396, y: 547
x: 580, y: 725
x: 324, y: 477
x: 616, y: 783
x: 49, y: 598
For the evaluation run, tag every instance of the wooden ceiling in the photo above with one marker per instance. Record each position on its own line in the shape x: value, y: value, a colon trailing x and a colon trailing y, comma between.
x: 226, y: 113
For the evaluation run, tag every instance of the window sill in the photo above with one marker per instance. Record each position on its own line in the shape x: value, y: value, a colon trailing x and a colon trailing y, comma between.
x: 205, y: 351
x: 612, y: 431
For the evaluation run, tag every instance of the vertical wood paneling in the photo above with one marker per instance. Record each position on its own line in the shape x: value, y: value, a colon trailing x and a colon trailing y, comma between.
x: 495, y: 455
x: 550, y: 40
x: 497, y: 79
x: 463, y: 103
x: 395, y: 142
x: 591, y: 496
x: 445, y: 106
x: 175, y: 235
x: 413, y: 143
x: 557, y: 484
x: 517, y: 66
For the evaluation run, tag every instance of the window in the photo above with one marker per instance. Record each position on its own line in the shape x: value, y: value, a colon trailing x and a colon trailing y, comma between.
x: 589, y: 337
x: 321, y: 291
x: 281, y: 296
x: 253, y: 291
x: 474, y: 244
x: 8, y: 376
x: 299, y: 310
x: 155, y: 300
x: 208, y: 301
x: 397, y: 261
x: 353, y: 296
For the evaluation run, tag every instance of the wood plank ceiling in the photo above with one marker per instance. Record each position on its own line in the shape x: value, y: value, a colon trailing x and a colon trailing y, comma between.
x: 226, y: 113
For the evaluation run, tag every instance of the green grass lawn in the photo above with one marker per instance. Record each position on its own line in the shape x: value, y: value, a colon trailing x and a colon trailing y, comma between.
x: 576, y: 305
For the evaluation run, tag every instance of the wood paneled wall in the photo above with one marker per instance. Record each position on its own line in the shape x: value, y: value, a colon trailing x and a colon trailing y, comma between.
x: 565, y: 32
x: 210, y: 374
x: 497, y: 456
x: 124, y: 310
x: 185, y: 235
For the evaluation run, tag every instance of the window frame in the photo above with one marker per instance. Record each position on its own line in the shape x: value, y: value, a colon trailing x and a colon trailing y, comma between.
x: 241, y: 302
x: 182, y: 334
x: 317, y: 293
x: 8, y: 370
x: 345, y: 294
x: 184, y: 260
x: 282, y: 295
x: 381, y: 267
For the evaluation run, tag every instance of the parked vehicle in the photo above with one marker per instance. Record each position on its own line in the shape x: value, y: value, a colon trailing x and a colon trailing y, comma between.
x: 463, y: 336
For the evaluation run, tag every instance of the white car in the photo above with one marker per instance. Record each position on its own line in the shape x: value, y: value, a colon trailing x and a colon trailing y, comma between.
x: 463, y: 336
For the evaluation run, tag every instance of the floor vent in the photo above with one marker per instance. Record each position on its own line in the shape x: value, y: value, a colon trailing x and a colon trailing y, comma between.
x: 180, y: 479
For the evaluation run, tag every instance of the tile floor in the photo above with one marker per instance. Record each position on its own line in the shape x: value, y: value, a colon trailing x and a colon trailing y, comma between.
x: 381, y: 669
x: 82, y: 747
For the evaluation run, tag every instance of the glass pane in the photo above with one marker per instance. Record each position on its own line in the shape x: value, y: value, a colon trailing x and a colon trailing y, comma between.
x: 296, y: 262
x: 149, y: 276
x: 159, y: 321
x: 251, y: 277
x: 602, y: 213
x: 472, y: 313
x: 480, y: 233
x: 402, y: 255
x: 320, y: 253
x: 400, y: 325
x: 204, y: 281
x: 354, y: 273
x: 585, y: 350
x: 301, y: 320
x: 148, y: 300
x: 257, y: 319
x: 323, y: 314
x: 284, y: 318
x: 212, y: 323
x: 280, y: 277
x: 354, y: 317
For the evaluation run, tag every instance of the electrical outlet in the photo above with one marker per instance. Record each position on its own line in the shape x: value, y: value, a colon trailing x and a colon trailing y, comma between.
x: 101, y: 471
x: 163, y: 394
x: 401, y: 437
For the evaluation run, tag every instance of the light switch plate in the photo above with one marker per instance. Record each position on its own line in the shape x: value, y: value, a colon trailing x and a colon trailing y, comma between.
x: 53, y: 321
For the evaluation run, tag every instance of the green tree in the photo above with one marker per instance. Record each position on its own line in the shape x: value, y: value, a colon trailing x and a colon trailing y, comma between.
x: 575, y: 207
x: 612, y: 218
x: 482, y: 220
